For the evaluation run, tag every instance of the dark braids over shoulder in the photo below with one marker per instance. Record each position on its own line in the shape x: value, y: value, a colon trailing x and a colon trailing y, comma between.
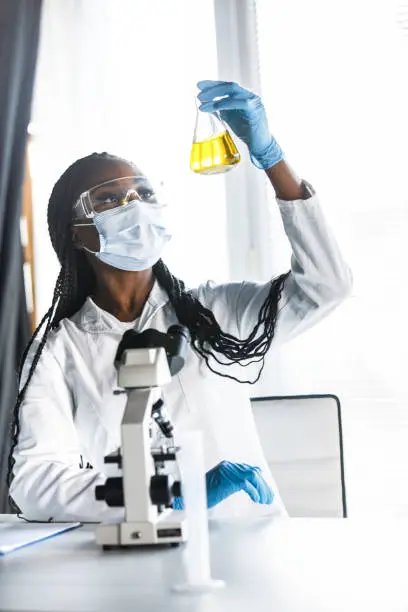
x: 208, y: 339
x: 76, y: 282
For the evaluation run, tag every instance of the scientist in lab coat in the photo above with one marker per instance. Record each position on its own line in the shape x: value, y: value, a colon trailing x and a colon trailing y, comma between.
x: 108, y: 230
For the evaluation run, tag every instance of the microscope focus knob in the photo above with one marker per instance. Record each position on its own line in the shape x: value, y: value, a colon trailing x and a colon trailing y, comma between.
x: 111, y: 492
x: 176, y: 489
x: 100, y: 492
x: 163, y: 489
x: 117, y: 458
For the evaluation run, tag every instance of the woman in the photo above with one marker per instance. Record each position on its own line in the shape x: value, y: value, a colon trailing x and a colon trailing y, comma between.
x: 67, y: 417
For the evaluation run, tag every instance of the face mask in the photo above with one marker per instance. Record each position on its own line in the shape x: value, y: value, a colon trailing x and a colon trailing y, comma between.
x: 131, y: 237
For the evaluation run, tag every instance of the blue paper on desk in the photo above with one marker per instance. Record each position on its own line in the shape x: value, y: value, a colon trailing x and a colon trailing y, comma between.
x: 18, y: 535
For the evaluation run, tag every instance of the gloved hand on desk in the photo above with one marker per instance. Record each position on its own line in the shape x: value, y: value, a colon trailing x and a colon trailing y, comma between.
x: 228, y: 478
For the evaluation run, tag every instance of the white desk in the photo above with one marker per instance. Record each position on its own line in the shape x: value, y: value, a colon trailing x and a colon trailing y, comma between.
x: 289, y: 565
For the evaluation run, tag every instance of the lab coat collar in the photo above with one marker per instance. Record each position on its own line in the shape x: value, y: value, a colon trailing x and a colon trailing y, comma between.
x: 91, y: 318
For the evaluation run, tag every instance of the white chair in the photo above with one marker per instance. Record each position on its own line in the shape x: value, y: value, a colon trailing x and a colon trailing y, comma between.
x: 302, y: 440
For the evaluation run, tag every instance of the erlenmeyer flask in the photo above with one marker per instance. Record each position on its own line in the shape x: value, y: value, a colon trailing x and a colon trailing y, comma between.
x: 213, y: 149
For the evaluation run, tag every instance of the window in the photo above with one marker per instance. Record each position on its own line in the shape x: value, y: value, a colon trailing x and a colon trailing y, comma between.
x: 333, y: 77
x: 122, y: 77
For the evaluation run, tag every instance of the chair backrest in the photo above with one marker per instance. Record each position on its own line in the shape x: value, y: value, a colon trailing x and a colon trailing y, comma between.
x: 302, y: 440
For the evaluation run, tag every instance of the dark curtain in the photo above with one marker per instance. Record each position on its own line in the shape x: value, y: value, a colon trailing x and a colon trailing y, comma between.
x: 19, y: 33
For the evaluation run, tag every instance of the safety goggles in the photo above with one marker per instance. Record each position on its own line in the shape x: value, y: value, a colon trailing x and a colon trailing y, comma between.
x: 115, y: 194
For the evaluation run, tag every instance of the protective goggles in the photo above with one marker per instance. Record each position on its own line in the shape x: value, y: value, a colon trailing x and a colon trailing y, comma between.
x: 114, y: 194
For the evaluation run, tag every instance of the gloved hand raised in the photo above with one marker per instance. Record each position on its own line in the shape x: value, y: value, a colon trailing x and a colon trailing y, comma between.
x: 244, y: 112
x: 228, y: 478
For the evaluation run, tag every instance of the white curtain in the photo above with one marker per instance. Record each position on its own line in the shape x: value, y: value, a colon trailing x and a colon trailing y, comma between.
x: 120, y: 76
x: 334, y: 82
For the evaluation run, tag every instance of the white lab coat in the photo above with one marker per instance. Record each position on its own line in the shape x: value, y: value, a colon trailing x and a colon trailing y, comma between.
x: 70, y: 416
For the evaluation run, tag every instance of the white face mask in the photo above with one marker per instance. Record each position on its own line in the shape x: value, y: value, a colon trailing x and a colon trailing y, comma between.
x: 131, y: 237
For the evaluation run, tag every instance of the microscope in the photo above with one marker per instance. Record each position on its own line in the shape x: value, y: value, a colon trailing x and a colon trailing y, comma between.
x: 145, y: 361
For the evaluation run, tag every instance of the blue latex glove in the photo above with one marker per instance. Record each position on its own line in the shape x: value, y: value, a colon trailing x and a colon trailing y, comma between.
x: 228, y: 478
x: 244, y: 112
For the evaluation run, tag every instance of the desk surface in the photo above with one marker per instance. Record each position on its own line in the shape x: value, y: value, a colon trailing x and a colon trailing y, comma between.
x: 287, y: 565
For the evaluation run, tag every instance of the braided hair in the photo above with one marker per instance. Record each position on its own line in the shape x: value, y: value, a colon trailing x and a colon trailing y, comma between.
x: 76, y: 281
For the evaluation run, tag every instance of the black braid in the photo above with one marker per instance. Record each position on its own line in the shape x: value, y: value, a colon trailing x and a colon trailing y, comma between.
x: 15, y: 427
x: 207, y: 337
x: 76, y: 282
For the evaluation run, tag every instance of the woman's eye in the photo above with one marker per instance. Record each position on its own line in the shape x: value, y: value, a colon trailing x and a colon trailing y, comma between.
x: 148, y: 195
x: 108, y: 200
x: 106, y: 203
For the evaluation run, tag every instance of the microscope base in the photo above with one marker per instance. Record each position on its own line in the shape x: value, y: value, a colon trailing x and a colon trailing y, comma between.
x: 170, y: 528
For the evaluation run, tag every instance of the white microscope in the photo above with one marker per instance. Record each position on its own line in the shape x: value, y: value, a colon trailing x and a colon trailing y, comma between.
x: 145, y: 361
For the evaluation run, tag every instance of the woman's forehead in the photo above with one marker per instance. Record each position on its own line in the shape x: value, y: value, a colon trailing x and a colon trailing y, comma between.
x: 108, y: 171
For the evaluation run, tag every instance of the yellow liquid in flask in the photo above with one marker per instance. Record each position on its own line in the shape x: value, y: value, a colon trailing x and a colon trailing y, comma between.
x: 217, y: 154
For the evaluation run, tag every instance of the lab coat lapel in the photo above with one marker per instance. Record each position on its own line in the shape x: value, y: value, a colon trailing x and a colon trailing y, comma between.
x: 157, y: 299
